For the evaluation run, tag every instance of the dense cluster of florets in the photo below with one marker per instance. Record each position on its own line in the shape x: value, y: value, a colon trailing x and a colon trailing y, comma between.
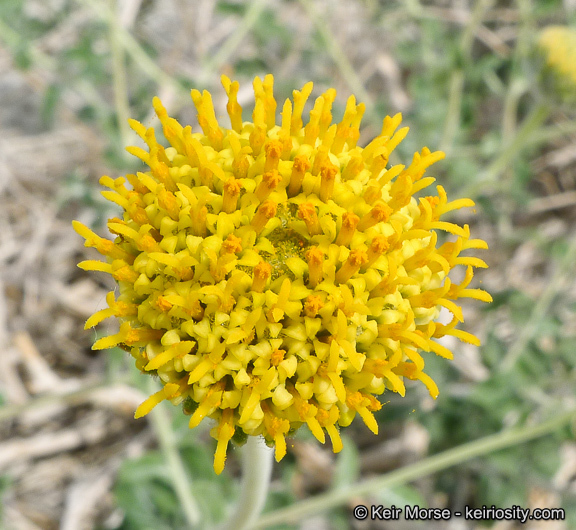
x: 279, y: 275
x: 557, y: 48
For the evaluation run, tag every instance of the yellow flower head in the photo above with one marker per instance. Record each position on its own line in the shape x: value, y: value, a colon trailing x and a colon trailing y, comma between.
x: 557, y: 48
x: 279, y: 275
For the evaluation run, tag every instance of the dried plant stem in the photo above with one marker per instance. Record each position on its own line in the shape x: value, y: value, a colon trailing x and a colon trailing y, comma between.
x: 74, y: 397
x: 257, y: 470
x: 180, y: 479
x: 457, y: 81
x: 425, y: 467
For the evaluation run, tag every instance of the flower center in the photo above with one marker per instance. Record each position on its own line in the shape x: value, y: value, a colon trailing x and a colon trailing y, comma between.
x: 287, y: 243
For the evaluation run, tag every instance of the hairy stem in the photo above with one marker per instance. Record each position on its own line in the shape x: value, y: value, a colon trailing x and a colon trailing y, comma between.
x: 257, y: 470
x: 180, y: 479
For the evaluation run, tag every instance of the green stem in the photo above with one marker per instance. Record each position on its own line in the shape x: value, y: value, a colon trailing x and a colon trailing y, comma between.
x: 257, y: 470
x: 530, y: 124
x: 453, y: 117
x: 512, y: 149
x: 132, y: 48
x: 180, y: 479
x: 454, y: 104
x: 119, y: 79
x: 430, y: 465
x: 232, y: 43
x: 148, y: 66
x: 14, y: 40
x: 552, y: 133
x: 517, y: 88
x: 340, y: 59
x: 541, y: 308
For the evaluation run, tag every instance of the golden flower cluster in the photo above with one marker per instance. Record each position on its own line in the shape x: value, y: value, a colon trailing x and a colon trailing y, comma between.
x: 557, y: 45
x: 279, y: 275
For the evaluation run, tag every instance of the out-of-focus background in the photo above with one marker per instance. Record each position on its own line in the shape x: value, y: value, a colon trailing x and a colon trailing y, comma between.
x: 464, y: 75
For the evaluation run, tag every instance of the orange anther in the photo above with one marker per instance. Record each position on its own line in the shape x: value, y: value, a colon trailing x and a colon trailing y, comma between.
x: 312, y: 305
x: 349, y: 223
x: 315, y: 259
x: 231, y: 193
x: 328, y: 173
x: 380, y: 212
x: 307, y: 212
x: 277, y: 357
x: 273, y: 151
x: 265, y: 211
x: 231, y: 245
x: 299, y: 168
x: 351, y: 266
x: 270, y: 180
x: 262, y: 272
